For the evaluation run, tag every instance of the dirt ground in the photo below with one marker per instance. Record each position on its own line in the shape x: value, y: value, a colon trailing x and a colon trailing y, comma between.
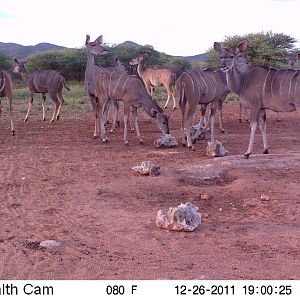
x: 56, y: 182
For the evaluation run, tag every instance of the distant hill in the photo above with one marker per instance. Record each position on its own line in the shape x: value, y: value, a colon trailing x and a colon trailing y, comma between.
x: 190, y: 59
x: 20, y: 51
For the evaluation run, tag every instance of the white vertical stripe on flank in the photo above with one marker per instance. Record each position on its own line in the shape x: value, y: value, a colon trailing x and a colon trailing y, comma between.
x: 291, y: 84
x: 272, y: 83
x: 264, y: 86
x: 117, y: 83
x: 281, y: 82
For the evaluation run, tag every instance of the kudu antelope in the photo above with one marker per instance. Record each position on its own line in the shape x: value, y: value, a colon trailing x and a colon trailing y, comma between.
x: 6, y: 91
x: 199, y: 87
x: 155, y: 77
x: 92, y: 71
x: 43, y: 82
x: 260, y: 87
x: 130, y: 90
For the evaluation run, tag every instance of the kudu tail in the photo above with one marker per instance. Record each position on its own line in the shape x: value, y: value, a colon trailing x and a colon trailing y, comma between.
x: 2, y: 84
x: 65, y: 84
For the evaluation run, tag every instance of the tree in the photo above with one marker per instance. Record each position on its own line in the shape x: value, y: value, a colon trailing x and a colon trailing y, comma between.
x: 265, y: 49
x: 5, y: 62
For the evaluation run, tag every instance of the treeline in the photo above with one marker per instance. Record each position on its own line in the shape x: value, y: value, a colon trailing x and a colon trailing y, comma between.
x: 72, y: 62
x: 268, y: 49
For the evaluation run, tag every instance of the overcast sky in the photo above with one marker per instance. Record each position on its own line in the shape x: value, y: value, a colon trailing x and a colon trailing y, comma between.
x: 178, y: 27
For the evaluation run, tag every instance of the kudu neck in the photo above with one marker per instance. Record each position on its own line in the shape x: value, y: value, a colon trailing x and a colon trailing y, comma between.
x: 141, y: 68
x: 235, y: 80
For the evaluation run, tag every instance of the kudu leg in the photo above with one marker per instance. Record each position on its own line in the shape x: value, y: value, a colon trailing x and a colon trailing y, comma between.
x: 101, y: 115
x: 202, y: 125
x: 11, y: 117
x: 136, y: 124
x: 220, y: 110
x: 116, y: 116
x: 254, y: 115
x: 188, y: 121
x: 61, y: 102
x: 29, y: 107
x: 263, y: 128
x: 56, y: 107
x: 43, y: 106
x: 126, y: 116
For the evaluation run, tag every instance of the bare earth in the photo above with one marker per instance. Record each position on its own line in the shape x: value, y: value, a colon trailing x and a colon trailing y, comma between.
x: 56, y: 182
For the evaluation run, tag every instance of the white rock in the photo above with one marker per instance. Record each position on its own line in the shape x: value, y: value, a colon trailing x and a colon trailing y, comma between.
x: 198, y: 132
x: 166, y: 141
x: 216, y: 149
x: 264, y: 197
x: 147, y: 168
x: 184, y: 217
x: 50, y: 244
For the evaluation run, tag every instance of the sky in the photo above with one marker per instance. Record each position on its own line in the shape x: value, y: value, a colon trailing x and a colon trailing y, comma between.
x: 178, y: 27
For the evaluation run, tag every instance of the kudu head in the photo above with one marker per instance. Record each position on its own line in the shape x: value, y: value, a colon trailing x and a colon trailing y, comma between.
x: 19, y: 67
x: 139, y: 60
x: 292, y: 59
x: 161, y: 119
x: 96, y: 47
x: 233, y: 58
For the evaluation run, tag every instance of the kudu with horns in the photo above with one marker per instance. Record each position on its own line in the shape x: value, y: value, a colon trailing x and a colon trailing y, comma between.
x: 6, y: 91
x: 260, y: 87
x: 155, y: 77
x: 92, y: 71
x: 131, y: 91
x: 199, y: 87
x: 43, y: 82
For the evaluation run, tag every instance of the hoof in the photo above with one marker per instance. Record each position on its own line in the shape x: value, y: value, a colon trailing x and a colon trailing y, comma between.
x: 118, y: 124
x: 222, y: 131
x: 95, y: 137
x: 266, y: 151
x: 25, y: 120
x: 126, y: 144
x: 51, y: 121
x: 165, y: 107
x: 174, y: 108
x: 111, y: 131
x: 183, y: 145
x: 104, y: 141
x: 240, y: 120
x: 132, y: 130
x: 142, y: 142
x: 57, y: 118
x: 13, y: 132
x: 192, y: 148
x: 246, y: 155
x: 44, y: 119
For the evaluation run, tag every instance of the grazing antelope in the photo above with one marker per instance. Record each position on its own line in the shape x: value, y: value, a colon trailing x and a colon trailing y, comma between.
x: 199, y: 87
x: 155, y: 77
x: 92, y: 71
x: 260, y: 87
x: 6, y: 91
x: 43, y: 81
x: 130, y: 90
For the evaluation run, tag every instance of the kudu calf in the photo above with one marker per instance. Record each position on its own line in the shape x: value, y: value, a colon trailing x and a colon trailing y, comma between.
x: 199, y: 87
x: 43, y: 82
x: 155, y: 77
x: 130, y: 90
x: 260, y: 87
x: 6, y: 91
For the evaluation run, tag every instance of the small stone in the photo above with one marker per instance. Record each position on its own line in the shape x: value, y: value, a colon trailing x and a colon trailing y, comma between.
x: 148, y: 168
x: 166, y: 141
x: 50, y: 244
x: 184, y: 217
x: 264, y: 197
x: 204, y: 196
x: 216, y: 149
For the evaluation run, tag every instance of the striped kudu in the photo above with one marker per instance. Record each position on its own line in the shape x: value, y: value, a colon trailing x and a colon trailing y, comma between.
x: 6, y: 91
x: 260, y: 87
x: 43, y: 81
x: 130, y: 90
x: 92, y: 71
x: 199, y: 87
x: 155, y: 77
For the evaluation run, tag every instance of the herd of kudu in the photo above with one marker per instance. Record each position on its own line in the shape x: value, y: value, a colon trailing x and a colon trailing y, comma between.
x: 258, y: 88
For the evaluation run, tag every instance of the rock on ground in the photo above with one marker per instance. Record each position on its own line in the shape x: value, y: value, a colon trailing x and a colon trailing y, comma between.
x: 166, y: 141
x: 216, y: 149
x: 184, y: 217
x: 148, y: 168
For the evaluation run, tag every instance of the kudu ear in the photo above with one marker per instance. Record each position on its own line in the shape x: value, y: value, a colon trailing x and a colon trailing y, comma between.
x: 154, y: 113
x: 16, y: 60
x: 99, y: 40
x: 298, y: 56
x: 242, y: 46
x: 218, y: 47
x: 87, y: 40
